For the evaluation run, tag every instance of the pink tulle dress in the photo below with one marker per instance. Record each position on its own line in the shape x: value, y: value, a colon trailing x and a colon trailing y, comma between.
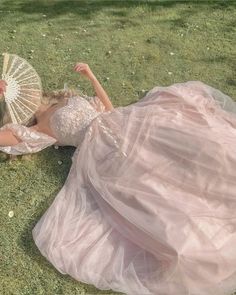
x: 149, y: 205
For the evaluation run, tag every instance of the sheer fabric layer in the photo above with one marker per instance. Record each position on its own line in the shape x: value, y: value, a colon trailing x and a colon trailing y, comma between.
x: 32, y: 141
x: 162, y: 220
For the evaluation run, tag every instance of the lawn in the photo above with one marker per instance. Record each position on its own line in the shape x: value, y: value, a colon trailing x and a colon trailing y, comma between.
x: 131, y: 46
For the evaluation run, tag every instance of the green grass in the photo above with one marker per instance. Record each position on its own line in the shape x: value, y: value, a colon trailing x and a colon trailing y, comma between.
x: 141, y: 36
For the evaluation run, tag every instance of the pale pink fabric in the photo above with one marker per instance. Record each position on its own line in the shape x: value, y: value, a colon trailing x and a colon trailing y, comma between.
x: 162, y: 220
x: 32, y: 141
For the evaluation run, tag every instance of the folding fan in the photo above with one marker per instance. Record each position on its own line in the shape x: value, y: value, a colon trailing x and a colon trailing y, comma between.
x: 23, y: 91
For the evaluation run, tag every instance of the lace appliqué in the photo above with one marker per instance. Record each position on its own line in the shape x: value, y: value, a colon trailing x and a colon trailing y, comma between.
x: 99, y: 106
x: 109, y: 133
x: 70, y: 122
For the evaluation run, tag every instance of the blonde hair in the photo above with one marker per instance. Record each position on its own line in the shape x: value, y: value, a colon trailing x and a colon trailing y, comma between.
x: 55, y: 96
x: 48, y: 98
x: 52, y: 97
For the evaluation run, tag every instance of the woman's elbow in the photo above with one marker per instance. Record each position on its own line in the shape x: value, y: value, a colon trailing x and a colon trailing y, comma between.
x: 7, y: 138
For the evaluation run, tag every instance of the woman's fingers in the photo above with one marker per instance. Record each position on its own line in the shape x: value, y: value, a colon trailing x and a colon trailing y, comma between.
x: 80, y: 68
x: 76, y: 67
x: 80, y: 65
x: 83, y: 69
x: 3, y: 85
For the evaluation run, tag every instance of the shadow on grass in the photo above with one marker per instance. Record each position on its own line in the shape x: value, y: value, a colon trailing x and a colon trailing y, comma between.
x: 120, y: 9
x: 87, y: 8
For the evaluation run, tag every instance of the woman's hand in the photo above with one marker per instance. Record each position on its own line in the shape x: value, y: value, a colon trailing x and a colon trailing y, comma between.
x: 85, y: 70
x: 3, y: 85
x: 100, y: 92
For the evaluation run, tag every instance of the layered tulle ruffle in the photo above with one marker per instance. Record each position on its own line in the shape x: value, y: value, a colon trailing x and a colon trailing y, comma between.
x: 162, y: 219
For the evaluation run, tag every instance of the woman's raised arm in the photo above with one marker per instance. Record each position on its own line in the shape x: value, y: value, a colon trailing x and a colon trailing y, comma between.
x: 100, y: 92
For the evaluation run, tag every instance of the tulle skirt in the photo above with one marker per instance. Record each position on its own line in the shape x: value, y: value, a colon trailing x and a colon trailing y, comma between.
x: 149, y: 205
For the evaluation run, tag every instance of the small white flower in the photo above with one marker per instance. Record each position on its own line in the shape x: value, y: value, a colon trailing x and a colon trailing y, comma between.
x: 172, y: 53
x: 44, y: 35
x: 13, y: 37
x: 56, y: 147
x: 84, y: 30
x: 13, y: 31
x: 59, y: 162
x: 182, y: 35
x: 143, y: 57
x: 44, y: 15
x: 123, y: 84
x: 132, y: 73
x: 208, y: 48
x: 197, y: 26
x: 143, y: 90
x: 109, y: 52
x: 69, y: 49
x: 76, y: 32
x: 107, y: 78
x: 170, y: 73
x: 10, y: 214
x: 32, y: 51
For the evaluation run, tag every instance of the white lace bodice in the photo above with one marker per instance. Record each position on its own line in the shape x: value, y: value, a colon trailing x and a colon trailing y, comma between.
x: 69, y: 123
